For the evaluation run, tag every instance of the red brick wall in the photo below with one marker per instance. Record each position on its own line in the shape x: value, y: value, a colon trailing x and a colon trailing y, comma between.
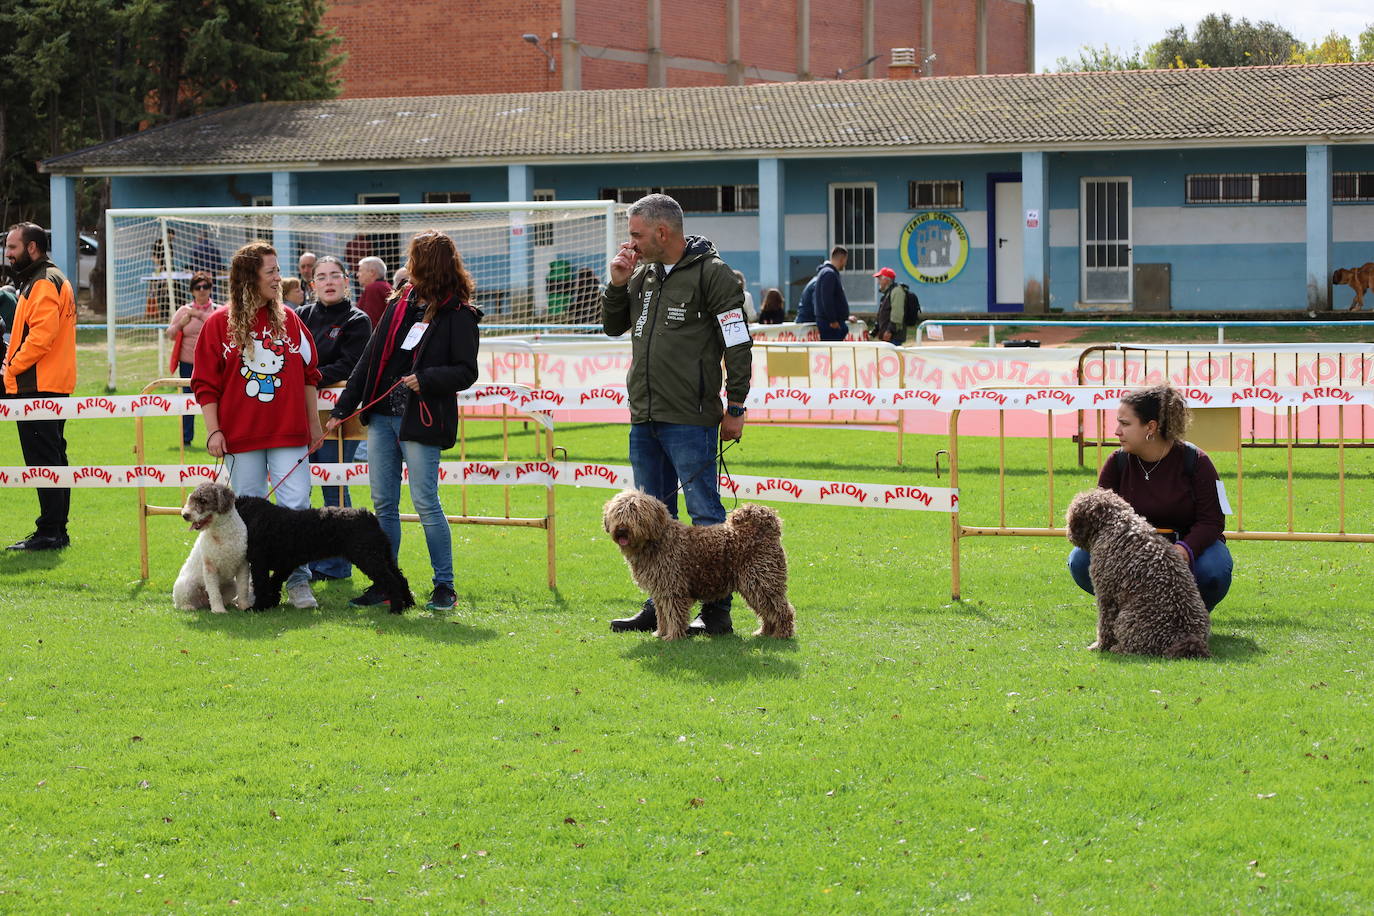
x: 423, y: 48
x: 433, y: 51
x: 1006, y: 37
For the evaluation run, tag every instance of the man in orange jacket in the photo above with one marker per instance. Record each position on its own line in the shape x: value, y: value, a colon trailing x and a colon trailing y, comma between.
x: 41, y: 363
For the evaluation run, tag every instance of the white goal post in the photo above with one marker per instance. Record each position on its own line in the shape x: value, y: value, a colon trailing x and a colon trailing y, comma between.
x: 534, y: 263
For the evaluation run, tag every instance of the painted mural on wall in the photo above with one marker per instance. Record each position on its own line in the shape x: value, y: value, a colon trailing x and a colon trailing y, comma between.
x: 934, y: 246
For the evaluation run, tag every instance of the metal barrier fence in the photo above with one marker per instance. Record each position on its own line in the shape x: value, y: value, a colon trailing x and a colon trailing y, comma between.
x: 546, y: 522
x: 1014, y: 399
x: 992, y: 324
x: 560, y: 361
x: 1346, y: 367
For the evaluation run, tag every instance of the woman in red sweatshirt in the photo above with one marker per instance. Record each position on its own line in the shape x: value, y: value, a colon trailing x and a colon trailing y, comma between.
x: 255, y: 379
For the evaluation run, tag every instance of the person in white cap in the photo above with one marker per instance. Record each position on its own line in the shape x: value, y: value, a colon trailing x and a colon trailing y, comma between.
x: 891, y: 323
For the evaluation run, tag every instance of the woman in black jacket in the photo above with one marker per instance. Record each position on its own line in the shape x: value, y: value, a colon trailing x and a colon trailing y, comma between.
x: 421, y: 354
x: 341, y: 333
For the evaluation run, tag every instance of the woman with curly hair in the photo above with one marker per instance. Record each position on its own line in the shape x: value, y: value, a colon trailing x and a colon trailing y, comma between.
x: 422, y: 352
x: 1169, y: 481
x: 255, y: 379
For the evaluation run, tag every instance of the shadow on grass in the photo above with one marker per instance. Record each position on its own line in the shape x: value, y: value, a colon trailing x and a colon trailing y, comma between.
x: 718, y: 659
x: 24, y: 561
x: 272, y: 623
x: 1228, y: 648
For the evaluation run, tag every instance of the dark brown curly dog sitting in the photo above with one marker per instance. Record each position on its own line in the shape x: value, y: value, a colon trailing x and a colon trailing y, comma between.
x: 281, y: 539
x: 1147, y: 598
x: 679, y: 564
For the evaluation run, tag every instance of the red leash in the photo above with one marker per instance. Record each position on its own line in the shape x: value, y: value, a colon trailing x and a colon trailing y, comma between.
x: 320, y: 441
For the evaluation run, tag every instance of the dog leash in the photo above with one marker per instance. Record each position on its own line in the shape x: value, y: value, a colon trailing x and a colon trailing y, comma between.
x: 724, y: 469
x: 320, y: 441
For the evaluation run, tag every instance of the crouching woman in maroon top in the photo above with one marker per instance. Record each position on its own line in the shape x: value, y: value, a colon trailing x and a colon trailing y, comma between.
x: 1169, y: 481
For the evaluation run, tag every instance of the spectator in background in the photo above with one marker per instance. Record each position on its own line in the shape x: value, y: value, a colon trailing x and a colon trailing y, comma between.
x: 40, y: 361
x: 165, y: 288
x: 357, y: 248
x: 340, y: 332
x: 205, y: 257
x: 255, y: 379
x: 806, y: 308
x: 751, y: 314
x: 184, y: 330
x: 893, y: 302
x: 400, y: 278
x: 832, y: 305
x: 9, y: 301
x: 375, y: 289
x: 292, y: 292
x: 586, y: 298
x: 772, y: 311
x: 305, y: 269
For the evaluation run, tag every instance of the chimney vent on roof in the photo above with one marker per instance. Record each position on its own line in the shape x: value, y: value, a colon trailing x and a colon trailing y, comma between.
x: 902, y: 64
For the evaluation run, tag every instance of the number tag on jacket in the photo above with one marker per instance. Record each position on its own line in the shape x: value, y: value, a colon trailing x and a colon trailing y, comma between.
x: 417, y: 330
x: 733, y: 328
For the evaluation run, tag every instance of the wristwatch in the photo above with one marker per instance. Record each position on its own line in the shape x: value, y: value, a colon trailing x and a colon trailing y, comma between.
x: 735, y: 410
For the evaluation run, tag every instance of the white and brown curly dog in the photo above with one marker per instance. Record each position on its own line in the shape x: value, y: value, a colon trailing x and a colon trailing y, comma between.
x: 217, y: 567
x: 679, y: 565
x: 1147, y: 598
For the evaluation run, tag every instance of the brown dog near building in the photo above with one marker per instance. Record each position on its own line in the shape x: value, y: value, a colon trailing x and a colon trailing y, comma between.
x: 1360, y: 279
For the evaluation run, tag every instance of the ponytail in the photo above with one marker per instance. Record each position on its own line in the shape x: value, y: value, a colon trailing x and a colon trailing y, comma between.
x: 1163, y: 404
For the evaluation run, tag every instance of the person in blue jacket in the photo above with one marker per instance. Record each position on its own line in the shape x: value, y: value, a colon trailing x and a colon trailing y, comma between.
x: 832, y: 305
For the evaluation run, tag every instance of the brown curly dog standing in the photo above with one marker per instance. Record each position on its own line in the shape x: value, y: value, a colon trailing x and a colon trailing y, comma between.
x: 679, y: 564
x: 1147, y: 598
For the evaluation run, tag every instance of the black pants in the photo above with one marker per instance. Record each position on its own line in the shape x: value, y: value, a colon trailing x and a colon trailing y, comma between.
x: 43, y: 445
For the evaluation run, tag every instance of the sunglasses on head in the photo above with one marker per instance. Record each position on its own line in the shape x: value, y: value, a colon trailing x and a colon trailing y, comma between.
x: 201, y: 286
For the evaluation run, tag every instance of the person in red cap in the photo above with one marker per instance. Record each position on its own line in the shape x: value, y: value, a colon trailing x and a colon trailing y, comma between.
x: 895, y: 299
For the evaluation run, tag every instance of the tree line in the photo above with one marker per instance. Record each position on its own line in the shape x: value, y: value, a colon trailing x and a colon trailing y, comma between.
x: 1220, y: 41
x: 74, y: 73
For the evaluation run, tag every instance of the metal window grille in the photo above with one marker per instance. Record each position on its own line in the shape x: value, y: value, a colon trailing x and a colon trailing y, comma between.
x: 922, y: 195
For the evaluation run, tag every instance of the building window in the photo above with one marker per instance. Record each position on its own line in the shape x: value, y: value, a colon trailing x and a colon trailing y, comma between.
x: 947, y: 195
x: 447, y: 197
x: 727, y: 198
x: 1247, y: 187
x: 1353, y: 186
x: 542, y: 233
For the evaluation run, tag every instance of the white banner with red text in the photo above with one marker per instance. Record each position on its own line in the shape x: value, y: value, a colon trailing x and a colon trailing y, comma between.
x: 542, y: 401
x: 507, y: 473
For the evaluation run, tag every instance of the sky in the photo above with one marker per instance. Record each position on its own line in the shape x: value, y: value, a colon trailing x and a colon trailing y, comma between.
x: 1063, y: 26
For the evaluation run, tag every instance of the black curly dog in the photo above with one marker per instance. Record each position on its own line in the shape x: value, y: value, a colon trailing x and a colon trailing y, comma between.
x: 281, y: 539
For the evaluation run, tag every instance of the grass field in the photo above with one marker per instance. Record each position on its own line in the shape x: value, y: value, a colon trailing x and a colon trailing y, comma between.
x: 905, y: 753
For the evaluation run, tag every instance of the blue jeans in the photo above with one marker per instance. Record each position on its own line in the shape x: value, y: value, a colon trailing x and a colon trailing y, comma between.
x: 188, y: 421
x: 1212, y: 570
x: 385, y: 452
x: 249, y: 473
x: 328, y: 453
x: 662, y: 454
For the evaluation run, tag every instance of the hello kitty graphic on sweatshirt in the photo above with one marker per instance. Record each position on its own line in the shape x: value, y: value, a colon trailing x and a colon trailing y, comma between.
x: 260, y: 391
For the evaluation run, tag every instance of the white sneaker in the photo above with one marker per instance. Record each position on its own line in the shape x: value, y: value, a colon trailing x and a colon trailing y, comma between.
x: 301, y: 596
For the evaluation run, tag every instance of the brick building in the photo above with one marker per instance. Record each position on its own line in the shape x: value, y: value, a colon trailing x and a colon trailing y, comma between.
x: 432, y: 48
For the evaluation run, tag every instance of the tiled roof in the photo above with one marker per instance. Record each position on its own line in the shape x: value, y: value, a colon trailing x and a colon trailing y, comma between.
x: 1024, y: 111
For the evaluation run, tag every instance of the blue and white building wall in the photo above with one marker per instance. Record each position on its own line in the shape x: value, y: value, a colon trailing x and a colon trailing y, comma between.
x: 1222, y: 254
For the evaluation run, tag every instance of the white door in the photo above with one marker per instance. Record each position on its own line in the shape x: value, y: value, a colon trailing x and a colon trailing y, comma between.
x: 1106, y: 233
x: 853, y: 226
x: 1007, y: 238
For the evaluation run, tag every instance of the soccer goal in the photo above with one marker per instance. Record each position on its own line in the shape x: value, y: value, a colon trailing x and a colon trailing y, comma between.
x: 536, y: 265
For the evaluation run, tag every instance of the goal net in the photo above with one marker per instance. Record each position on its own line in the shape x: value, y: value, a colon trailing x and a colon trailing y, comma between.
x: 536, y: 265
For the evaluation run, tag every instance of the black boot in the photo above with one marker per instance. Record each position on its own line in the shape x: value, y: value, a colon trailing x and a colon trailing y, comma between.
x: 714, y: 620
x: 646, y: 621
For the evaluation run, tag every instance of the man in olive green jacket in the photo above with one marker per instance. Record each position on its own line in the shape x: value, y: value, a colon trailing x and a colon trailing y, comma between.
x: 685, y: 311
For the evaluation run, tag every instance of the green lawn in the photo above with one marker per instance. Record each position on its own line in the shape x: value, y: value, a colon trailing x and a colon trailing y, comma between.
x: 903, y: 754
